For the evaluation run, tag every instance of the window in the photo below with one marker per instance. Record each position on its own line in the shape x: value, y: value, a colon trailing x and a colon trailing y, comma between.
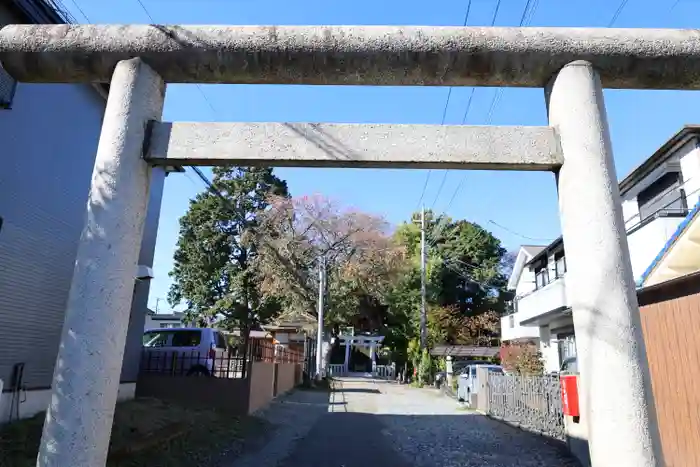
x: 7, y: 89
x: 186, y: 338
x: 155, y: 339
x: 164, y: 325
x: 663, y: 195
x: 567, y: 348
x: 541, y: 277
x: 511, y: 321
x: 559, y: 264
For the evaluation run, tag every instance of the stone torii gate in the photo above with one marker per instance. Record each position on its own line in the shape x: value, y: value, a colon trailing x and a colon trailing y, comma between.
x: 573, y: 65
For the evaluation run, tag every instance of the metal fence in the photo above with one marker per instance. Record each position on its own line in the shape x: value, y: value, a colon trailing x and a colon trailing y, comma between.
x: 264, y: 351
x: 230, y: 363
x: 385, y: 371
x: 334, y: 369
x: 191, y: 363
x: 531, y: 402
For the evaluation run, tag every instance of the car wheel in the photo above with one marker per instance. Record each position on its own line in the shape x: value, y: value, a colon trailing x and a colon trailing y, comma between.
x: 198, y: 371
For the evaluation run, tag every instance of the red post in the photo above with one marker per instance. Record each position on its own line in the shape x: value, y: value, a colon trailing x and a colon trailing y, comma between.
x: 569, y: 395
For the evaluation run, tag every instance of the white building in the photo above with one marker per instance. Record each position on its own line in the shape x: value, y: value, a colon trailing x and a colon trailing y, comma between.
x: 164, y: 320
x: 656, y: 198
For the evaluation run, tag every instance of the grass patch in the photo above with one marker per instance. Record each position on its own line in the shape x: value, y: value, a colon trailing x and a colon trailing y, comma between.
x: 146, y: 432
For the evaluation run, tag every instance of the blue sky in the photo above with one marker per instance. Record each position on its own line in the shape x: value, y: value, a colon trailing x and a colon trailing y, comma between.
x: 525, y: 203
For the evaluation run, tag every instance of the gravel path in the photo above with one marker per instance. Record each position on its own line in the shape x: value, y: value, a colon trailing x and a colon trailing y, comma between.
x: 369, y: 423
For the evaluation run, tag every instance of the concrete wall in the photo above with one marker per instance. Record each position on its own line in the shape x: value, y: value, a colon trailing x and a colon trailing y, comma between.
x: 286, y: 377
x: 49, y: 140
x: 262, y: 389
x: 226, y: 394
x: 548, y: 298
x: 269, y: 380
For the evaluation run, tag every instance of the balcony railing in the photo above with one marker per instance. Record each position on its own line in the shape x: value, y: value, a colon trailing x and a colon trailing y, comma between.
x: 543, y: 300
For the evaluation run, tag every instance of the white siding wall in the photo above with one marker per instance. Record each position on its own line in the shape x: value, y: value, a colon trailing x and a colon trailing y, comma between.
x: 517, y: 331
x: 526, y: 284
x: 646, y: 243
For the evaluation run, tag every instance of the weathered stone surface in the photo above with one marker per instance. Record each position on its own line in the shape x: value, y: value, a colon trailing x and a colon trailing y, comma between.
x: 349, y: 145
x: 371, y: 55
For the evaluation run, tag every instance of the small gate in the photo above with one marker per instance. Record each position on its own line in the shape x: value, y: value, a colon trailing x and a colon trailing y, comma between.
x: 385, y: 371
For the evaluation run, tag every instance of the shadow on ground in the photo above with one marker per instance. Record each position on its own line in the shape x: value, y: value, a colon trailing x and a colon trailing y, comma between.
x: 358, y: 390
x: 350, y: 430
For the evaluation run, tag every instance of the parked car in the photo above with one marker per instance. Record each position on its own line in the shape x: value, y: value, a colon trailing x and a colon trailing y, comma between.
x: 188, y: 351
x: 469, y: 381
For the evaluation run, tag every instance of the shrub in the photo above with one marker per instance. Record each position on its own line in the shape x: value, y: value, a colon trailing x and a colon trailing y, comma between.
x: 523, y: 358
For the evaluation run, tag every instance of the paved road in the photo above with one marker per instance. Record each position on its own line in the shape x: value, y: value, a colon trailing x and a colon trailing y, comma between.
x: 367, y: 423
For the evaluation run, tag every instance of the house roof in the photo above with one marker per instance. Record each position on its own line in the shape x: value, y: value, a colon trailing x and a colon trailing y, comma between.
x: 664, y: 152
x: 679, y: 256
x: 525, y: 254
x: 464, y: 351
x: 533, y: 249
x: 166, y: 316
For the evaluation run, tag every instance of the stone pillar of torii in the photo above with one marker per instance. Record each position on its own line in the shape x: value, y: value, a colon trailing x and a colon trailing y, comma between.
x: 573, y: 65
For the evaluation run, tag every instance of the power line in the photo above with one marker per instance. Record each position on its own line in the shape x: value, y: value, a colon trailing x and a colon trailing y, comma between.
x: 471, y: 96
x: 199, y: 86
x: 548, y: 240
x: 617, y: 13
x: 143, y: 7
x: 77, y: 6
x: 469, y: 103
x: 493, y: 105
x: 444, y: 116
x: 614, y: 18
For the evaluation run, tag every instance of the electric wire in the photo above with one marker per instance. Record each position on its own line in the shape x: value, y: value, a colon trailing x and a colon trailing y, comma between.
x: 444, y: 116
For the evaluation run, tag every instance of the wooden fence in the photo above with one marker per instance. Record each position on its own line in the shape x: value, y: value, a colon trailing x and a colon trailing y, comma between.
x: 671, y: 322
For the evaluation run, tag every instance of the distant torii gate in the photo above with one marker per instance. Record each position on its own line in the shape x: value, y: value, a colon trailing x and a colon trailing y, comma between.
x: 572, y: 64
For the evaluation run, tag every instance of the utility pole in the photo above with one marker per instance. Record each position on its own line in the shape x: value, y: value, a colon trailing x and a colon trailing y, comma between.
x: 423, y: 317
x: 319, y: 335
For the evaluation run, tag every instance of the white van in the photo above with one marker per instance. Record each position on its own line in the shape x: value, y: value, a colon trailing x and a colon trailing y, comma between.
x: 186, y: 351
x: 468, y: 383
